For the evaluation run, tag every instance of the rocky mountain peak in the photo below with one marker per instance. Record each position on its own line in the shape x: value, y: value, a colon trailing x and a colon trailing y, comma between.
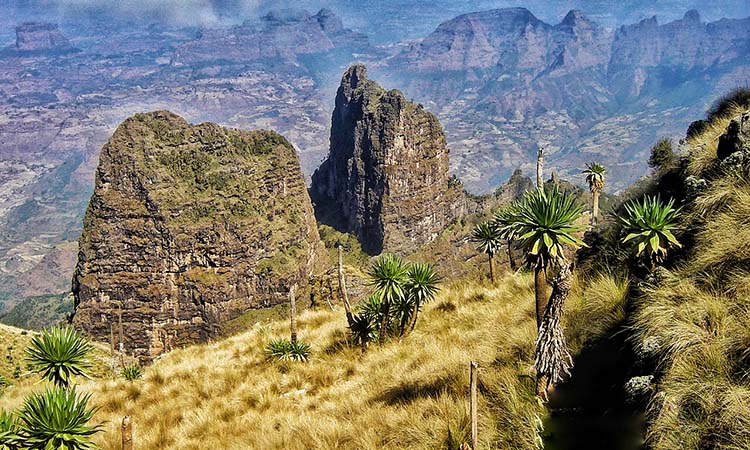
x: 329, y: 21
x: 518, y: 15
x: 352, y: 78
x: 692, y: 16
x: 189, y: 226
x: 576, y: 19
x: 282, y: 16
x: 386, y: 176
x: 280, y: 34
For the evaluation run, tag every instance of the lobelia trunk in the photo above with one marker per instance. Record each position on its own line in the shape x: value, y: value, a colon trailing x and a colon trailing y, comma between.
x: 414, y: 314
x: 540, y: 168
x: 385, y: 310
x: 540, y: 291
x: 552, y: 359
x: 511, y: 259
x: 293, y: 314
x: 542, y: 386
x: 342, y: 287
x: 491, y: 258
x: 595, y: 208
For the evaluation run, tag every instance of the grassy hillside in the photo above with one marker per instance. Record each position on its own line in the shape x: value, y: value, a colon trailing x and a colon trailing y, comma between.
x: 699, y: 314
x: 690, y: 319
x: 408, y: 394
x: 14, y: 341
x: 683, y: 326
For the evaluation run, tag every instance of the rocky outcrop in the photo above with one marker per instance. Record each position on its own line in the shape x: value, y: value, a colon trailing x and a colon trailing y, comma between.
x: 281, y: 35
x: 40, y: 37
x: 736, y: 138
x: 189, y: 226
x: 386, y: 176
x: 504, y: 82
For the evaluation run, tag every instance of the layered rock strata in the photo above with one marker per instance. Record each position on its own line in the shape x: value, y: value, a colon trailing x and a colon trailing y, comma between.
x: 189, y: 226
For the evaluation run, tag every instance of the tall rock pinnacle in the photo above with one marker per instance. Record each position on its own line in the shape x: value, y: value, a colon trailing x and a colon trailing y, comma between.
x: 386, y: 176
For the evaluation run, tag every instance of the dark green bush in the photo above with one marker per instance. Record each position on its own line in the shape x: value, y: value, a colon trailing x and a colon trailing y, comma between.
x: 132, y: 372
x: 58, y: 354
x: 285, y: 350
x: 56, y: 419
x: 662, y: 155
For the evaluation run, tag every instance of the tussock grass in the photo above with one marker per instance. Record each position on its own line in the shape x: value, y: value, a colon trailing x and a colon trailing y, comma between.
x: 399, y: 395
x: 721, y: 253
x: 704, y: 338
x: 699, y: 315
x: 596, y: 307
x: 702, y: 147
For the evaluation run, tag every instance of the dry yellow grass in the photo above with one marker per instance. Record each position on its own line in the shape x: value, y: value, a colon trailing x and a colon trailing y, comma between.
x: 401, y: 395
x: 702, y: 148
x: 700, y: 317
x: 14, y: 341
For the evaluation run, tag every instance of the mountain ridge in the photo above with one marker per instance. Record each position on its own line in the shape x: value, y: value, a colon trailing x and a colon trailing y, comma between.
x: 576, y: 88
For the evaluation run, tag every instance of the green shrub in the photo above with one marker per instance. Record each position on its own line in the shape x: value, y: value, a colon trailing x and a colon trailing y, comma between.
x: 285, y: 350
x: 662, y: 155
x: 56, y: 419
x: 132, y: 372
x: 649, y: 225
x: 9, y: 439
x: 58, y: 354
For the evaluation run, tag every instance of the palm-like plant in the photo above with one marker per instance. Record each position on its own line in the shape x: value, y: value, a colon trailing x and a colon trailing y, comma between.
x: 421, y: 287
x: 363, y: 328
x: 9, y: 438
x: 388, y: 275
x: 132, y: 372
x: 57, y: 419
x: 58, y: 354
x: 504, y: 222
x: 545, y: 224
x: 287, y: 350
x: 650, y: 224
x: 595, y: 178
x: 487, y: 237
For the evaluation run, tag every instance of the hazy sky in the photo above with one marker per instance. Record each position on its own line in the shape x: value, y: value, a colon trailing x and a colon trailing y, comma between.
x: 383, y: 20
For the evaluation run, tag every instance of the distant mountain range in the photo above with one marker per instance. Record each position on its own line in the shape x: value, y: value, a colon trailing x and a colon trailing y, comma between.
x: 501, y: 82
x: 385, y: 21
x: 504, y: 81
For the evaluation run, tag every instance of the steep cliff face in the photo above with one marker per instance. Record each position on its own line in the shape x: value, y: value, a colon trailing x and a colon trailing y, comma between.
x: 386, y: 176
x: 189, y: 226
